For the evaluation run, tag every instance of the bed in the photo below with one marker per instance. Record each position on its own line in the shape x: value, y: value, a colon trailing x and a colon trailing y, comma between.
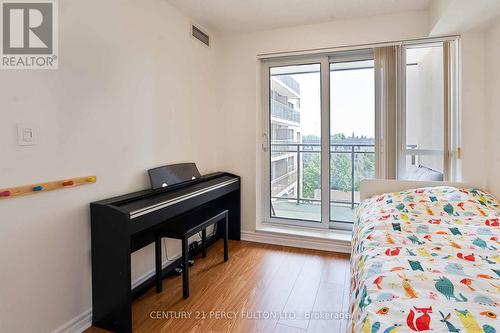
x: 425, y: 257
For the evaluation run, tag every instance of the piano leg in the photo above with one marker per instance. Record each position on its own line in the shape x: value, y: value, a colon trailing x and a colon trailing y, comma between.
x: 185, y: 268
x: 226, y: 236
x: 204, y: 243
x: 158, y: 277
x: 111, y: 295
x: 234, y: 207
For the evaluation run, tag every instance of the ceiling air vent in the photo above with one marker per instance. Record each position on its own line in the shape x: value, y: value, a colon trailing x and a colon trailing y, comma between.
x: 200, y: 35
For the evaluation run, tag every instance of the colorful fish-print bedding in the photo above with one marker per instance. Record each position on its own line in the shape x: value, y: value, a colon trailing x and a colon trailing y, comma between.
x: 426, y: 260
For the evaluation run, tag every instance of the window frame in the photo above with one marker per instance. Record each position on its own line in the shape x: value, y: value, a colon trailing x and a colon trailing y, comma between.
x: 266, y: 128
x: 451, y: 105
x: 324, y: 57
x: 324, y: 60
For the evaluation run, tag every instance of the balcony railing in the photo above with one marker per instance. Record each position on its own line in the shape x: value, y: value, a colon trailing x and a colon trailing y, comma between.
x: 285, y: 112
x: 283, y: 182
x: 290, y: 82
x: 353, y: 151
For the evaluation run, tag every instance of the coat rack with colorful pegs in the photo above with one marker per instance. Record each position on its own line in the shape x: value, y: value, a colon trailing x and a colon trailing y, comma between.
x: 7, y: 193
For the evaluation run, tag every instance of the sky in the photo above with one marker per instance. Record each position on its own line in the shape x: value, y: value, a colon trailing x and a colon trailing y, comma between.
x: 352, y: 102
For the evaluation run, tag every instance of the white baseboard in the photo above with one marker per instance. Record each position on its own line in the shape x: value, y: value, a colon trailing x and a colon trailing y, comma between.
x: 78, y: 324
x: 83, y: 321
x: 152, y: 271
x: 304, y: 242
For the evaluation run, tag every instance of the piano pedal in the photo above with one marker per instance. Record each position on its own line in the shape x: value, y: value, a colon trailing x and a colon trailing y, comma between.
x: 178, y: 269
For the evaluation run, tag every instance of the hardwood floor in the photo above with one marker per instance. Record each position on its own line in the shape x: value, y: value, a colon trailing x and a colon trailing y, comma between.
x: 262, y: 288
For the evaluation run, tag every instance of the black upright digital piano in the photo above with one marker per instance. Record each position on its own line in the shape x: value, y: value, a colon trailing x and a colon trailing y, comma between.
x: 124, y: 224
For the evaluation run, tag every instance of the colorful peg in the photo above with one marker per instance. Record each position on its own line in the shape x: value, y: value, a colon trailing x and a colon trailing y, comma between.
x: 44, y: 187
x: 37, y: 188
x: 91, y: 179
x: 5, y: 194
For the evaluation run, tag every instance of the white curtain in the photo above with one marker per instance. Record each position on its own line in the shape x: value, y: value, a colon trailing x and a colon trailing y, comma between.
x: 386, y: 110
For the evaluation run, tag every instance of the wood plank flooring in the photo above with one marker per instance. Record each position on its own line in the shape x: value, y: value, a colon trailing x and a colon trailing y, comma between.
x: 262, y: 288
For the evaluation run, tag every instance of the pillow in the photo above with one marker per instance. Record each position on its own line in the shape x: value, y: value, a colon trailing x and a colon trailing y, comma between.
x: 423, y: 173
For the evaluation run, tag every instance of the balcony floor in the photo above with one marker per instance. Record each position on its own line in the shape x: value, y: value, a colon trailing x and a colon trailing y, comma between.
x: 311, y: 211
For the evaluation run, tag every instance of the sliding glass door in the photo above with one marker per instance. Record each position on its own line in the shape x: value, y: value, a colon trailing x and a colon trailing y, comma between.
x: 295, y: 142
x: 320, y: 127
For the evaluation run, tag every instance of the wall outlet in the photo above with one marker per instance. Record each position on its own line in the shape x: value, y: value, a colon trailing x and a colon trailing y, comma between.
x: 26, y: 134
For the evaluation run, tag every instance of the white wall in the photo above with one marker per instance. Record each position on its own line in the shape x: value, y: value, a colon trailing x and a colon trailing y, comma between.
x: 238, y: 97
x: 132, y: 91
x: 493, y: 106
x: 474, y: 152
x: 459, y: 16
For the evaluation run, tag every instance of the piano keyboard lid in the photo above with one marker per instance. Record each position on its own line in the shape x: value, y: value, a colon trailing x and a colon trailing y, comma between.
x: 159, y: 199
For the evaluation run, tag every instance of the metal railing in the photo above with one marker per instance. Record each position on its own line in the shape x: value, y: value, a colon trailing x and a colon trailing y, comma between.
x: 353, y: 150
x: 283, y: 111
x: 290, y: 82
x: 284, y: 181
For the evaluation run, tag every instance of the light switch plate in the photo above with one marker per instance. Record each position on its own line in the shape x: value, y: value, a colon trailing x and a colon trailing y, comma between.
x: 26, y: 134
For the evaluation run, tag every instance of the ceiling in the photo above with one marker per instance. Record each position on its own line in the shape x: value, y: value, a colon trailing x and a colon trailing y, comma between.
x: 233, y: 16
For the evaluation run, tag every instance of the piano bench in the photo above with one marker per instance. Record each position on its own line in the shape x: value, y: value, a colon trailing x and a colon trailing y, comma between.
x: 182, y: 230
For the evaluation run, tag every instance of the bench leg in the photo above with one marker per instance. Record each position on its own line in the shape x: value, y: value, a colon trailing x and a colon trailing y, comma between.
x: 226, y: 236
x: 158, y: 264
x: 204, y: 243
x: 185, y: 268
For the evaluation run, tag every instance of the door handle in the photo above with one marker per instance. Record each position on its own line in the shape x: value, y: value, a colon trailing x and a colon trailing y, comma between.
x: 265, y: 142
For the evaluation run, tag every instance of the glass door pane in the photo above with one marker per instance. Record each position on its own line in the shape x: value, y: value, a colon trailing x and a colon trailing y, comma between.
x: 295, y: 142
x: 352, y: 134
x: 423, y: 146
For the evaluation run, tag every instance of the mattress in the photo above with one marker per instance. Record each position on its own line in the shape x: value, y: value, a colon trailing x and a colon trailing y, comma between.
x: 426, y: 260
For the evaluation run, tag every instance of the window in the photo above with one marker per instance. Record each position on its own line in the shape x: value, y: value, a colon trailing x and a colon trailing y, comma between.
x: 352, y: 134
x: 424, y: 128
x: 334, y: 119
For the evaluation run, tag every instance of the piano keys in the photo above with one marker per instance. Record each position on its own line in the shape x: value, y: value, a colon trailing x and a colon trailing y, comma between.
x: 125, y: 224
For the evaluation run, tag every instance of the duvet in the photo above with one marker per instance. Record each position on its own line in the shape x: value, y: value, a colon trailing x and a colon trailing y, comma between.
x: 426, y: 260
